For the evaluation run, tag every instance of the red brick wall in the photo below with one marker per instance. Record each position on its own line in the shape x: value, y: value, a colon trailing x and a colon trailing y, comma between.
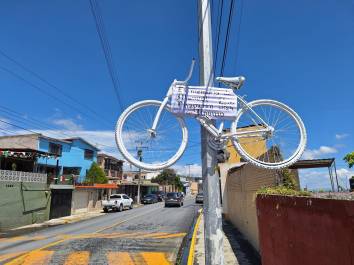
x: 301, y: 231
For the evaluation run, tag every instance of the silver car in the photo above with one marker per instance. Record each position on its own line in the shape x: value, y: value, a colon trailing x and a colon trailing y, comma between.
x: 199, y: 198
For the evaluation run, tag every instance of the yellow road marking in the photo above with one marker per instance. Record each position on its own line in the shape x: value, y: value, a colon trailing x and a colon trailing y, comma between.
x: 78, y: 258
x: 153, y: 234
x: 20, y: 259
x: 20, y: 238
x: 11, y: 239
x: 155, y: 258
x: 119, y: 258
x: 34, y: 258
x: 170, y: 235
x: 191, y: 249
x: 10, y: 256
x: 121, y: 222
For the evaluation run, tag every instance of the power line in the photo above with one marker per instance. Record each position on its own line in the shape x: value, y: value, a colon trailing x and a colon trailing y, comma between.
x: 218, y: 33
x: 226, y: 43
x: 35, y: 132
x: 95, y: 9
x: 27, y: 69
x: 43, y: 91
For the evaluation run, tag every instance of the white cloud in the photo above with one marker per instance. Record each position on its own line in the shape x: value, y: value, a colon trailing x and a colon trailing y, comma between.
x: 341, y: 136
x: 319, y: 153
x: 195, y: 170
x: 68, y: 124
x: 4, y: 123
x: 315, y: 179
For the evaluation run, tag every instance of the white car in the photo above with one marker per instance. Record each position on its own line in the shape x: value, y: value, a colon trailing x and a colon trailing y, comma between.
x: 117, y: 202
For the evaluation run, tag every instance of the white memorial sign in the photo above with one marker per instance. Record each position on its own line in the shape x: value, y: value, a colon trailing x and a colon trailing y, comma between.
x: 214, y: 103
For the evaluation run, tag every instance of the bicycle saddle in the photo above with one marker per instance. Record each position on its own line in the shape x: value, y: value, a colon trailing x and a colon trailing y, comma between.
x: 233, y: 82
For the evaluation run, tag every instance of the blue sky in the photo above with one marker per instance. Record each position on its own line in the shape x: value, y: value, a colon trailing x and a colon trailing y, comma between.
x: 300, y: 53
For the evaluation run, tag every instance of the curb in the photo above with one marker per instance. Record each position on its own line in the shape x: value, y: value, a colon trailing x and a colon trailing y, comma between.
x: 192, y: 246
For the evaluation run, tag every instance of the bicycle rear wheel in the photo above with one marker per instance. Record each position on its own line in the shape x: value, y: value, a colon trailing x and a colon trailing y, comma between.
x: 277, y: 149
x: 160, y: 150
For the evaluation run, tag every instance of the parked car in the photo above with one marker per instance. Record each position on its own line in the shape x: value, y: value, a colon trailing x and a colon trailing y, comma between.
x: 174, y: 198
x: 149, y: 198
x: 199, y: 198
x: 160, y: 195
x: 117, y: 202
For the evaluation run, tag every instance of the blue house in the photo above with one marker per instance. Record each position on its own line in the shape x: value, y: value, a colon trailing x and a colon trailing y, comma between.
x: 71, y: 156
x: 75, y: 156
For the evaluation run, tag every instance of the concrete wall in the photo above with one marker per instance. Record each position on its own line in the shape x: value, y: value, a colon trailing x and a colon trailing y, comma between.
x: 23, y: 141
x: 239, y: 205
x: 306, y: 231
x: 85, y: 200
x: 23, y: 204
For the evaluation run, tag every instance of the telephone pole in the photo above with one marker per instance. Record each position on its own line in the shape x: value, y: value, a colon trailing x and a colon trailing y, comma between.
x: 139, y: 150
x: 213, y: 234
x: 189, y: 170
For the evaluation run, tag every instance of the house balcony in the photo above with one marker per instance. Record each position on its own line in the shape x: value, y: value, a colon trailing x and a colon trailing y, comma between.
x: 62, y: 181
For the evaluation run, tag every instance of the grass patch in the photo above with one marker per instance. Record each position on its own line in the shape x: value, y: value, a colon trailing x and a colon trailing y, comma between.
x: 282, y: 190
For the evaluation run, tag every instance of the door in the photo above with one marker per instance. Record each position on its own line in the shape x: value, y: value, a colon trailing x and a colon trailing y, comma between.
x: 60, y: 204
x: 126, y: 201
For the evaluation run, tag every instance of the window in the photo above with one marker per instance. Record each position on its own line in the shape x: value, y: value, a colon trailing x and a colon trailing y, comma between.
x: 88, y: 154
x: 125, y: 197
x: 115, y: 197
x: 71, y: 170
x: 55, y: 149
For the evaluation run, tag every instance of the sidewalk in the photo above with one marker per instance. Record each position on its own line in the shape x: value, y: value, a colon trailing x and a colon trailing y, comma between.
x: 53, y: 222
x: 237, y: 250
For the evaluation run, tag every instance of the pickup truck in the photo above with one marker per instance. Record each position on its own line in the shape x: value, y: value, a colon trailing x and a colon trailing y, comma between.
x: 117, y: 202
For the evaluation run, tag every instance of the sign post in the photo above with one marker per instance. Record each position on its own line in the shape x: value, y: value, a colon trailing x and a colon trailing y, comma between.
x: 213, y: 234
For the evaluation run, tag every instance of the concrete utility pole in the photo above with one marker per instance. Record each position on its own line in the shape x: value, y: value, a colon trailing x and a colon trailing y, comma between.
x: 189, y: 171
x: 139, y: 149
x: 213, y: 233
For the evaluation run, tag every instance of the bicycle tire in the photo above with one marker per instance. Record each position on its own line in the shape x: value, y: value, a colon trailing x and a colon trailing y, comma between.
x: 123, y: 148
x: 271, y: 165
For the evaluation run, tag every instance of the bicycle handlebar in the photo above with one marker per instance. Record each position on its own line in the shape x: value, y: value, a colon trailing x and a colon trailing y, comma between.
x: 189, y: 74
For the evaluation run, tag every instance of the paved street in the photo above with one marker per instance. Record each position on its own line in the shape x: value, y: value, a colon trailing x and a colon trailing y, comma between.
x: 146, y: 235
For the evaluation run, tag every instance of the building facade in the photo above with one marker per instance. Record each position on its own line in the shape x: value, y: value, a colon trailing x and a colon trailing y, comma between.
x: 37, y: 176
x: 113, y: 167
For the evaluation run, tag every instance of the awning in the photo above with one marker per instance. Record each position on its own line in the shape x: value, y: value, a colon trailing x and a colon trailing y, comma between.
x: 97, y: 186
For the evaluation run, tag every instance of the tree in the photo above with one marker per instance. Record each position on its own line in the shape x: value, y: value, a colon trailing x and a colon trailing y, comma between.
x: 96, y: 175
x: 349, y: 158
x: 168, y: 176
x: 288, y: 179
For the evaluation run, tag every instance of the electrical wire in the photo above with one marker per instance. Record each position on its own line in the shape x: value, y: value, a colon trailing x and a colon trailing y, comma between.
x: 226, y: 43
x: 42, y: 90
x: 41, y: 78
x: 95, y: 9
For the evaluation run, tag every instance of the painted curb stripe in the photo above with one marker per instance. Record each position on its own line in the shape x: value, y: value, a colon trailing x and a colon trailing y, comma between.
x: 192, y: 247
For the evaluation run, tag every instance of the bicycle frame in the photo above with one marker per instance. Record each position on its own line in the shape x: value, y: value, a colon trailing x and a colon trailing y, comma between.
x: 208, y: 124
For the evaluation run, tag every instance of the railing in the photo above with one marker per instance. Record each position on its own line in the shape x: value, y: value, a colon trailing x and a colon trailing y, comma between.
x: 21, y: 176
x: 62, y: 180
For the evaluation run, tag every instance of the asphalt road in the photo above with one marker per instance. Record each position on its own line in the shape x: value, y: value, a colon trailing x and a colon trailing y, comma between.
x: 151, y: 234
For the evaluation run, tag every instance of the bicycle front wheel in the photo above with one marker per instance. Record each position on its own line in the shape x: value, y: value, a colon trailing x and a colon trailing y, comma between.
x: 276, y: 148
x: 142, y: 148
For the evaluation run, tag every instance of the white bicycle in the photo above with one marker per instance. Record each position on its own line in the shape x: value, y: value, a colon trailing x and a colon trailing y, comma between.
x: 265, y: 132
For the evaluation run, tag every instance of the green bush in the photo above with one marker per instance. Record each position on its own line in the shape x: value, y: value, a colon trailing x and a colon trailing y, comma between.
x: 282, y: 190
x: 288, y: 179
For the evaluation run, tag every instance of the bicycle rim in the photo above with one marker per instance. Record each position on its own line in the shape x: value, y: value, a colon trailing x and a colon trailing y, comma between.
x: 158, y: 152
x: 274, y: 151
